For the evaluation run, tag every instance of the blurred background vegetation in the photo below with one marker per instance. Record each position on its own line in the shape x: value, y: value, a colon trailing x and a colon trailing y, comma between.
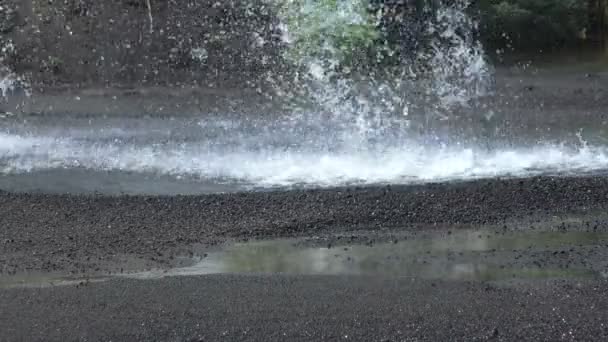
x: 526, y: 25
x: 506, y: 27
x: 533, y: 25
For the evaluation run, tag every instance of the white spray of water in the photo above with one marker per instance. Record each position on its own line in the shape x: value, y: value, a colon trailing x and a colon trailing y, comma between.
x: 7, y: 84
x: 459, y: 70
x: 9, y: 81
x: 450, y: 70
x: 279, y: 167
x: 349, y: 143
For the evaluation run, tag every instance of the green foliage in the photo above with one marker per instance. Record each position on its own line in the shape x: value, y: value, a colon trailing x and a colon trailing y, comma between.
x: 347, y: 33
x: 532, y: 24
x: 335, y: 30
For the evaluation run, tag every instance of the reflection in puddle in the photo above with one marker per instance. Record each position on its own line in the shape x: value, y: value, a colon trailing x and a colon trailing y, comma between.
x: 461, y: 255
x: 46, y: 280
x: 440, y: 256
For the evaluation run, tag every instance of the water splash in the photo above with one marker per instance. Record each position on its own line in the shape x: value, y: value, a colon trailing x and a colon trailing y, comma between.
x: 459, y: 68
x: 357, y: 130
x: 279, y: 167
x: 342, y: 56
x: 9, y: 80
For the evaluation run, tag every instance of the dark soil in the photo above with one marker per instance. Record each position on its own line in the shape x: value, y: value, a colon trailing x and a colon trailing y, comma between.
x: 89, y: 235
x: 79, y: 43
x: 297, y: 308
x: 83, y: 233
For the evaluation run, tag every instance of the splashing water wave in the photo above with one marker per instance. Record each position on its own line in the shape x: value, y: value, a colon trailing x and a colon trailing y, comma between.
x: 357, y: 135
x: 276, y: 167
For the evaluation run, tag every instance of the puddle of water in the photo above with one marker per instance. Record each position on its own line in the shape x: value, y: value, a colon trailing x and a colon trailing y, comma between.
x: 45, y: 280
x: 439, y: 256
x: 478, y: 255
